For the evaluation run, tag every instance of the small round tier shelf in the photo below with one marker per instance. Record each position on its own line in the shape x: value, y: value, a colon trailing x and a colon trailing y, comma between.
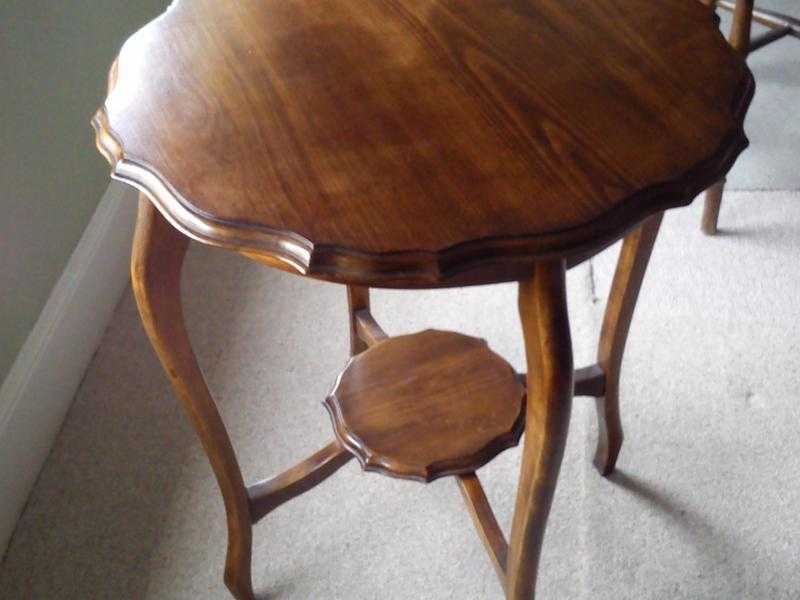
x: 427, y: 405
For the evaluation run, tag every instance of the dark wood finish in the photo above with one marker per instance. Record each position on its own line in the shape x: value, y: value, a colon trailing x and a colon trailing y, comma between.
x: 767, y: 37
x: 740, y: 41
x: 485, y: 523
x: 631, y: 266
x: 466, y: 146
x: 158, y: 252
x: 548, y: 347
x: 269, y: 494
x: 588, y: 381
x: 427, y: 405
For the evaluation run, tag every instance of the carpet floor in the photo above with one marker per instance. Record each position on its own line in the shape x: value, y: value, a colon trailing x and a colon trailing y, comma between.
x: 704, y: 505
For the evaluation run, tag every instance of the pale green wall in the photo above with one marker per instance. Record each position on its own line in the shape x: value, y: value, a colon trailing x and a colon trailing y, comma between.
x: 54, y: 56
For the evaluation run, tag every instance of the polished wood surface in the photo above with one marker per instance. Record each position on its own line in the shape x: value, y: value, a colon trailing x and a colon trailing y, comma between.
x: 405, y: 143
x: 548, y: 348
x: 427, y: 405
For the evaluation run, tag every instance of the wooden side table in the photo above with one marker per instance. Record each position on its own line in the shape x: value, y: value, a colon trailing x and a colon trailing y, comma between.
x: 419, y: 144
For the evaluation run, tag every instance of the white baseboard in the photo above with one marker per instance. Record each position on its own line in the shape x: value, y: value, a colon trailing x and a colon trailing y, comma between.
x: 42, y: 382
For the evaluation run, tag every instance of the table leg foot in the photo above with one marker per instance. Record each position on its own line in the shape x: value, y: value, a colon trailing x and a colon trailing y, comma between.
x: 545, y: 324
x: 609, y: 435
x: 631, y: 267
x: 238, y: 579
x: 158, y: 253
x: 239, y: 582
x: 711, y: 208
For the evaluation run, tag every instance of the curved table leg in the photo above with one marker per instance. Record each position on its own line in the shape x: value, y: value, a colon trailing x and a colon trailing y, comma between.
x: 631, y: 266
x: 545, y: 325
x: 158, y: 253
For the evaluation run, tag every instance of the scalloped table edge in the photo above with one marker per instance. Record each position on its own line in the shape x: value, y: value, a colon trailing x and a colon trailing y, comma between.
x: 457, y: 265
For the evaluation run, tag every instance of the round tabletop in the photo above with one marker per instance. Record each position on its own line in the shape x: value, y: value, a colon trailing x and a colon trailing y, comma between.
x: 422, y: 142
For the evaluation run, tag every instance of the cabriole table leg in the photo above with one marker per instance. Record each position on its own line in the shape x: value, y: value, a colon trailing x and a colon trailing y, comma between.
x: 548, y: 347
x: 631, y: 266
x: 158, y: 252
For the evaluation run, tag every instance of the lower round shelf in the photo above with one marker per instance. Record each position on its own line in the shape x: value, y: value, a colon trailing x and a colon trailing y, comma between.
x: 427, y: 405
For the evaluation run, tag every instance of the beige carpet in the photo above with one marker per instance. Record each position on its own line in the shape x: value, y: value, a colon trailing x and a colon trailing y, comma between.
x: 705, y: 506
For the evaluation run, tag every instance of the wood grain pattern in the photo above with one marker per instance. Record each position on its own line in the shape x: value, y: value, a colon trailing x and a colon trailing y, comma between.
x: 427, y: 405
x: 158, y: 252
x: 548, y: 348
x: 474, y: 137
